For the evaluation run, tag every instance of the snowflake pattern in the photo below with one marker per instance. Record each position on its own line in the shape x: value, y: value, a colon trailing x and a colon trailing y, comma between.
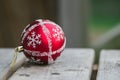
x: 57, y: 34
x: 33, y: 40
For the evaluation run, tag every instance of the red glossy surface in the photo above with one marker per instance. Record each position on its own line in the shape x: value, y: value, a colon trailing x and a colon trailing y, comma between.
x: 43, y: 41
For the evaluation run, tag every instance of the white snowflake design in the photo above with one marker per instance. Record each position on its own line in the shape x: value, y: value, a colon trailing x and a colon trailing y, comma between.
x: 33, y: 40
x: 57, y: 34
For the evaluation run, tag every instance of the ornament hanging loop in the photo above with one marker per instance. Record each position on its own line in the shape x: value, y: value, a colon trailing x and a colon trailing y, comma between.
x: 16, y: 51
x: 19, y: 48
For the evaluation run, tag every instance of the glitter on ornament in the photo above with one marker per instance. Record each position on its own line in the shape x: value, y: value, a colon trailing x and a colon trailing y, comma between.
x: 57, y: 34
x: 33, y: 40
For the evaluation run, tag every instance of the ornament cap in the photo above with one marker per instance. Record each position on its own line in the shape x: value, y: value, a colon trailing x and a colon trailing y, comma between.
x: 19, y: 48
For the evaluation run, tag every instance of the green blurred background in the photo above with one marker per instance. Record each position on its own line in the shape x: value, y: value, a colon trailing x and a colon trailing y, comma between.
x: 105, y: 15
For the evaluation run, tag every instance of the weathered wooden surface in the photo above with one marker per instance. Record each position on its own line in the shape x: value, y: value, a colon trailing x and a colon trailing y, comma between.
x: 109, y: 65
x: 6, y: 56
x: 73, y: 64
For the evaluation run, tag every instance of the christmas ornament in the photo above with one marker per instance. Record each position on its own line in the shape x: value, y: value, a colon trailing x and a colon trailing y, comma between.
x: 42, y: 41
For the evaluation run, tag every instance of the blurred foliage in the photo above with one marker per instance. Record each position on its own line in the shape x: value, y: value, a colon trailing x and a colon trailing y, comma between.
x: 105, y: 13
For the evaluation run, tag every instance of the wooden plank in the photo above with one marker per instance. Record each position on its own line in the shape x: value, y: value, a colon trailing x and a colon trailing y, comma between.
x: 73, y: 17
x: 109, y: 68
x: 73, y: 64
x: 6, y: 56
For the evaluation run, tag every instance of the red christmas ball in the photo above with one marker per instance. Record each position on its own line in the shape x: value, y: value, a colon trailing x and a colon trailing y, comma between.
x: 43, y: 41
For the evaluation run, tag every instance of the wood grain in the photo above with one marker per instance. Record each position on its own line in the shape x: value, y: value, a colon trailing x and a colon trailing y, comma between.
x: 73, y: 64
x: 6, y: 56
x: 109, y: 65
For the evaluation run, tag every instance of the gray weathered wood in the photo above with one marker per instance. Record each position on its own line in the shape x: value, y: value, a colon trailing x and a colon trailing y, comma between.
x: 73, y: 17
x: 6, y: 56
x: 73, y: 64
x: 109, y: 66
